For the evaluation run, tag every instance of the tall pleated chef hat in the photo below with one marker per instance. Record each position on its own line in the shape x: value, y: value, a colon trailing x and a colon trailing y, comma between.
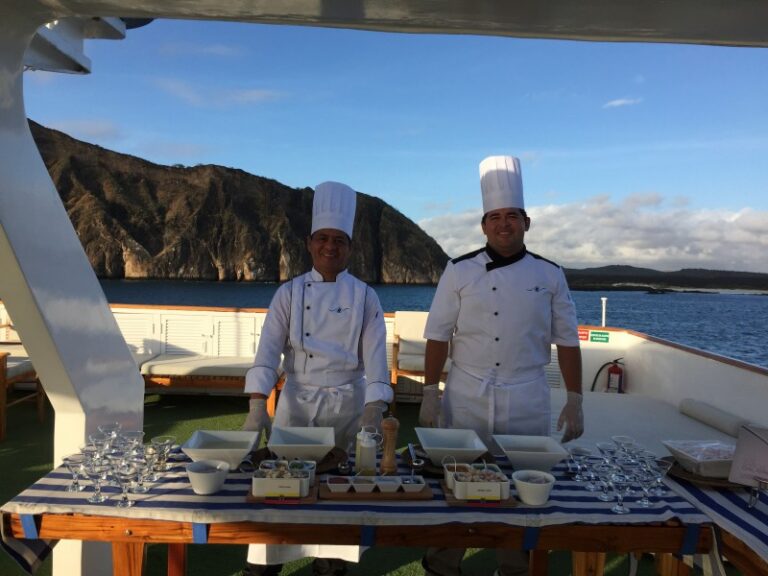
x: 501, y: 182
x: 334, y: 207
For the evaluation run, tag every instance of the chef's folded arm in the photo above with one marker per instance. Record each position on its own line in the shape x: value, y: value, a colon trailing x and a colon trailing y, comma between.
x: 435, y: 357
x: 569, y: 358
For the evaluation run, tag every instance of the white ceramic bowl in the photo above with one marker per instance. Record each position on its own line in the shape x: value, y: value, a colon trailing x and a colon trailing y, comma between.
x: 302, y: 443
x: 531, y: 452
x: 533, y: 486
x: 412, y: 484
x: 709, y: 458
x: 232, y: 446
x: 338, y: 484
x: 364, y: 483
x: 387, y: 484
x: 207, y: 476
x: 451, y: 444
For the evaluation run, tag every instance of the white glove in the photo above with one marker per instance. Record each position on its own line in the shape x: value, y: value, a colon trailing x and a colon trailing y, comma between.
x: 373, y: 414
x: 429, y: 413
x: 258, y: 419
x: 572, y: 417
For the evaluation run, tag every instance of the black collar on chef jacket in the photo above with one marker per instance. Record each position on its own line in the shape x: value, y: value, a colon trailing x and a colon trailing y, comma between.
x: 499, y: 261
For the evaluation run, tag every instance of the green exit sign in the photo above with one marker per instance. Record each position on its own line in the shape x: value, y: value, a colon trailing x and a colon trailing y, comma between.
x: 595, y: 336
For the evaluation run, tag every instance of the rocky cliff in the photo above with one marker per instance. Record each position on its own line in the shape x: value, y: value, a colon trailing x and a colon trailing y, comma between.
x: 136, y: 219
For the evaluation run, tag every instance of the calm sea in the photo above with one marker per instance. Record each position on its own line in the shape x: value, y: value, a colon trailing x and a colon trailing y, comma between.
x: 730, y: 324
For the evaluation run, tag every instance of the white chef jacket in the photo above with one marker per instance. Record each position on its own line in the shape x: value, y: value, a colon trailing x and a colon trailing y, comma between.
x: 333, y: 341
x: 501, y: 316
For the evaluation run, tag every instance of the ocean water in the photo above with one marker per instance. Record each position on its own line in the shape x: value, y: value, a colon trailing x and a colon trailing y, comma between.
x: 730, y: 324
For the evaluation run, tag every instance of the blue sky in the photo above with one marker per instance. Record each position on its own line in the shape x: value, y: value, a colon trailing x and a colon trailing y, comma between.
x: 645, y: 154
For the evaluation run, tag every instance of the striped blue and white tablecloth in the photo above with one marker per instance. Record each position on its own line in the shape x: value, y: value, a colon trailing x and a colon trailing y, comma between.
x: 728, y: 510
x: 172, y: 498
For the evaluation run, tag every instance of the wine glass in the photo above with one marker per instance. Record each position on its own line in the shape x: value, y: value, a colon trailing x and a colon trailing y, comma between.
x: 604, y: 472
x: 97, y: 472
x: 660, y: 469
x: 578, y: 455
x: 620, y: 483
x: 133, y: 439
x: 143, y: 474
x: 125, y: 475
x: 163, y: 445
x: 75, y: 465
x: 110, y: 429
x: 645, y: 480
x: 152, y: 457
x: 607, y: 449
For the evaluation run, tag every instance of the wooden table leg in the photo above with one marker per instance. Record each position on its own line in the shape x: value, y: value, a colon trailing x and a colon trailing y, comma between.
x: 588, y: 563
x: 127, y: 558
x: 177, y: 559
x: 668, y: 565
x: 538, y: 563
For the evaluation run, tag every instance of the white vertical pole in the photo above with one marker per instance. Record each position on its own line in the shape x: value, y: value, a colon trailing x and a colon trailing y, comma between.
x: 603, y: 300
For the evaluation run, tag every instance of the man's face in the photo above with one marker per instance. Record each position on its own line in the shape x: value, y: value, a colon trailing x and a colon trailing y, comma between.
x: 330, y: 250
x: 505, y: 229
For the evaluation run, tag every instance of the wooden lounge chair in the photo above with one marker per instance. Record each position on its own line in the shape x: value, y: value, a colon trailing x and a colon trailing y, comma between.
x: 15, y: 367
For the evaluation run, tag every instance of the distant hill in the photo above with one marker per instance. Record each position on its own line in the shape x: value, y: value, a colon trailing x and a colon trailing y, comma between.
x: 137, y: 219
x: 630, y: 278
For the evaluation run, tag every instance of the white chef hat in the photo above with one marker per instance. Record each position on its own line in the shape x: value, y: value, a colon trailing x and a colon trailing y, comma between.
x: 501, y: 182
x: 334, y: 207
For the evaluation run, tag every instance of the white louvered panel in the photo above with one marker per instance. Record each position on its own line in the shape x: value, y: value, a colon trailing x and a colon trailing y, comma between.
x: 390, y: 324
x: 187, y: 334
x: 236, y: 336
x: 552, y: 370
x: 137, y: 330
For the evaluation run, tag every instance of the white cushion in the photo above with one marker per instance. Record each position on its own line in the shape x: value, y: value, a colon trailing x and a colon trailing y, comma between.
x: 179, y: 365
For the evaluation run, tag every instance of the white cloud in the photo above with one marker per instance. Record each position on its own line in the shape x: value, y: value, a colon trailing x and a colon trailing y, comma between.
x: 639, y: 231
x: 206, y: 97
x: 91, y: 130
x: 619, y: 102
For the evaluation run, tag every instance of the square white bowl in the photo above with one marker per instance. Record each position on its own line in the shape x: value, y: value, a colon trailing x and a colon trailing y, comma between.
x: 711, y: 458
x: 450, y: 443
x: 531, y: 452
x: 231, y: 446
x: 302, y: 443
x: 412, y: 484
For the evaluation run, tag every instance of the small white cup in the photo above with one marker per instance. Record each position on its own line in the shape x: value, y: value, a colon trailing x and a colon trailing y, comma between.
x: 207, y: 476
x: 533, y: 486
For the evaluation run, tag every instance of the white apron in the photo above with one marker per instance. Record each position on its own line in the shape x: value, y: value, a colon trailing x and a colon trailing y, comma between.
x: 323, y: 397
x: 491, y: 405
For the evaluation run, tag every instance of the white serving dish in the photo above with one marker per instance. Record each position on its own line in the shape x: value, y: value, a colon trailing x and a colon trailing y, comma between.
x: 387, y: 484
x: 533, y: 486
x: 531, y: 452
x: 710, y: 458
x: 412, y: 483
x: 262, y: 487
x: 301, y: 442
x: 232, y: 446
x: 207, y: 476
x: 492, y: 490
x: 450, y: 468
x: 450, y: 443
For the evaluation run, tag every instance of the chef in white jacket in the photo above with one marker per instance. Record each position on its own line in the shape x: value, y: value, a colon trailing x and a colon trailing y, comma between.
x: 501, y: 308
x: 329, y: 328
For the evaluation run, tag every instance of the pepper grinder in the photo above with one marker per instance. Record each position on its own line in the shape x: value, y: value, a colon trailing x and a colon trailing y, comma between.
x: 389, y: 428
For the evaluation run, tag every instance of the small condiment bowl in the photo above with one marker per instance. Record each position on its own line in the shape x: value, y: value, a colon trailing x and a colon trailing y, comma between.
x: 388, y: 484
x: 533, y: 486
x: 207, y: 476
x: 363, y: 483
x: 338, y: 484
x: 412, y: 483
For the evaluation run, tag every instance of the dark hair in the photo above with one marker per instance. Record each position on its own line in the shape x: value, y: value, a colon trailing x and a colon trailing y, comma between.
x: 349, y: 240
x: 522, y: 211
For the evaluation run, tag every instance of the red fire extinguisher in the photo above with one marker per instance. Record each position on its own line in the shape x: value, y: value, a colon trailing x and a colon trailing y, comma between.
x: 615, y: 377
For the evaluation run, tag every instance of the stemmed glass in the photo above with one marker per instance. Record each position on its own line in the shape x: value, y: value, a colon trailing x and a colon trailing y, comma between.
x: 110, y: 429
x: 578, y: 455
x: 660, y: 468
x: 607, y: 449
x: 133, y: 440
x: 645, y: 480
x: 619, y: 483
x: 125, y: 474
x: 591, y: 474
x: 152, y: 457
x: 143, y: 474
x: 97, y: 472
x: 604, y: 472
x: 75, y: 464
x: 163, y: 446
